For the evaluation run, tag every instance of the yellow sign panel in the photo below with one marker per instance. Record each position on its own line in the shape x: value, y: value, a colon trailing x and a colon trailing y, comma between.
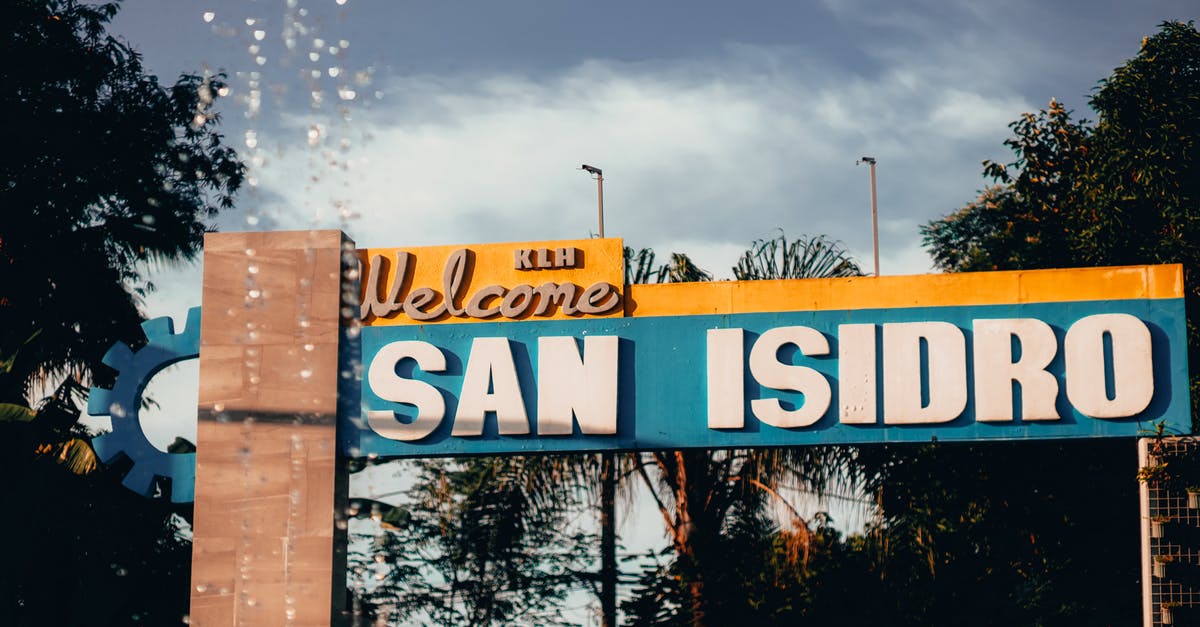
x: 492, y: 282
x: 900, y: 292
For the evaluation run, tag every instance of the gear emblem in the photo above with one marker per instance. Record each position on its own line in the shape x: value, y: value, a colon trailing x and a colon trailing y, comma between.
x: 134, y: 370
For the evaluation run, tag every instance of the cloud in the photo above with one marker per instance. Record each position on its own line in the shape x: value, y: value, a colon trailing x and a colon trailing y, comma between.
x: 705, y: 155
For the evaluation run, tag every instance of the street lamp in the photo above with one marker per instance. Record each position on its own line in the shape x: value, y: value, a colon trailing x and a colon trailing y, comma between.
x: 599, y: 175
x: 874, y: 210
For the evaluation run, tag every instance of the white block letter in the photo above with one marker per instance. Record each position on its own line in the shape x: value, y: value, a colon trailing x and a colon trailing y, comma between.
x: 766, y: 368
x: 902, y: 372
x: 389, y: 386
x: 585, y: 386
x: 1132, y: 366
x: 726, y: 396
x: 995, y: 369
x: 490, y: 365
x: 856, y: 374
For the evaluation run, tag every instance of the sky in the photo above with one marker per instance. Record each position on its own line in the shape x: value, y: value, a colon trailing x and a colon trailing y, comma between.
x: 716, y: 123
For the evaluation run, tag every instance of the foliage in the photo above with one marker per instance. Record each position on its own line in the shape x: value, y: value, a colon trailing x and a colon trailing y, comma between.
x: 640, y: 268
x: 114, y: 171
x: 807, y: 257
x: 763, y: 583
x: 79, y: 547
x: 1009, y: 536
x: 1001, y: 534
x: 1125, y: 190
x: 107, y: 173
x: 482, y: 541
x: 700, y: 494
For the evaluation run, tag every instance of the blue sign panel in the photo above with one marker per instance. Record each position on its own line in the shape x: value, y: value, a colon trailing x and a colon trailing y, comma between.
x: 1040, y: 370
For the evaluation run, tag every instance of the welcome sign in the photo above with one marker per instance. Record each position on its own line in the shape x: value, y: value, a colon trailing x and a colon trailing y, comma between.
x: 539, y: 346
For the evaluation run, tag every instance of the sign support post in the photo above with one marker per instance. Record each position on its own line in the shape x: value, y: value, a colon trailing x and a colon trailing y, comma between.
x: 269, y: 544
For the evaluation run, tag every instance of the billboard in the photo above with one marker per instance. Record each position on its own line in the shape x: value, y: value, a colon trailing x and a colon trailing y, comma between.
x: 539, y: 347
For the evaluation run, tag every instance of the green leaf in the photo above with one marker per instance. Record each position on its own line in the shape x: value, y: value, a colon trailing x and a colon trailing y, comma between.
x: 11, y: 412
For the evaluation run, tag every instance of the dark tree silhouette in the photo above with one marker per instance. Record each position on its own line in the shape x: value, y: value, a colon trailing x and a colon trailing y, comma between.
x: 104, y: 172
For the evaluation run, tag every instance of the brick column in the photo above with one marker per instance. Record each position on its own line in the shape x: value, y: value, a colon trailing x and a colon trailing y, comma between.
x: 269, y: 484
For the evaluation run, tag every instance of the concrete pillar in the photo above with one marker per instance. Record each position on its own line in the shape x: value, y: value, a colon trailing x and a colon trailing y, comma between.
x: 270, y: 488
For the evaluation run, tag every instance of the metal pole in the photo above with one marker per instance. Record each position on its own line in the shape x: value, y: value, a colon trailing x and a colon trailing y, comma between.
x: 608, y: 539
x: 874, y: 211
x: 608, y: 484
x: 874, y: 218
x: 599, y: 174
x: 600, y: 200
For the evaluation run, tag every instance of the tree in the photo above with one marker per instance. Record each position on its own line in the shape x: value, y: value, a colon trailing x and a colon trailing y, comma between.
x: 702, y: 494
x: 481, y: 541
x: 1125, y: 190
x: 804, y: 258
x: 107, y: 173
x: 1022, y: 221
x: 1020, y: 539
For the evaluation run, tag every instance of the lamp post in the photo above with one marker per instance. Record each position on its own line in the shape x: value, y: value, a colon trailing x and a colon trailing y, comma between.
x: 874, y: 210
x: 599, y: 174
x: 608, y: 483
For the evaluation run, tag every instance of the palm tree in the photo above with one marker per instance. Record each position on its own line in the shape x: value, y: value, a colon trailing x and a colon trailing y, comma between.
x: 697, y: 491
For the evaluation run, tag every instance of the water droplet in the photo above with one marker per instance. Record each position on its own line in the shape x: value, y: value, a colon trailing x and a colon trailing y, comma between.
x: 255, y: 293
x: 250, y: 21
x: 346, y: 94
x: 340, y: 2
x: 314, y: 56
x: 252, y: 220
x: 253, y: 49
x: 259, y: 35
x: 260, y: 60
x: 199, y: 120
x: 344, y: 44
x: 334, y: 71
x: 309, y: 347
x: 116, y: 410
x: 252, y: 269
x: 209, y: 15
x: 304, y: 374
x: 201, y: 587
x: 250, y: 252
